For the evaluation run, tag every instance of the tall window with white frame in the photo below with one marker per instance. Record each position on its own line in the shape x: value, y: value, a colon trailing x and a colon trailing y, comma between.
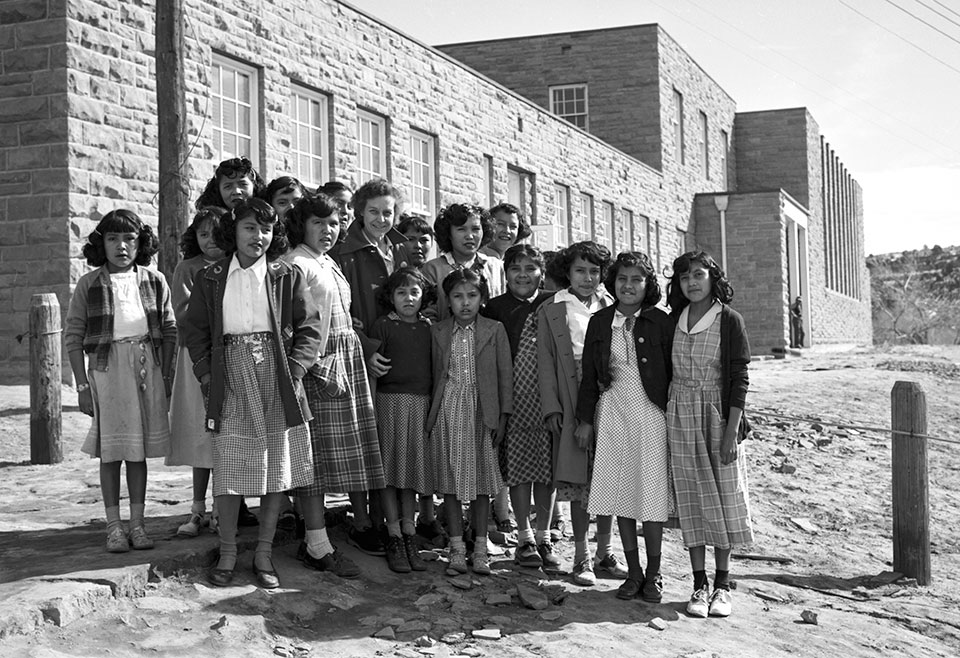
x: 521, y: 193
x: 724, y: 150
x: 235, y: 109
x: 585, y: 229
x: 605, y: 229
x: 309, y: 136
x: 561, y: 213
x: 423, y: 173
x: 678, y: 126
x: 704, y: 146
x: 486, y: 194
x: 627, y: 238
x: 371, y: 146
x: 641, y: 234
x: 570, y: 102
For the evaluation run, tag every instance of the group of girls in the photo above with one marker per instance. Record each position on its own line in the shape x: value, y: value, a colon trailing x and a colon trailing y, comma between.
x: 323, y: 355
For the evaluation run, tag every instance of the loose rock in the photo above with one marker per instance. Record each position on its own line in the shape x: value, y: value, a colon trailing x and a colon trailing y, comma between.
x: 551, y: 615
x: 386, y: 633
x: 809, y: 617
x: 487, y: 634
x: 499, y: 598
x: 425, y: 641
x: 657, y: 624
x: 453, y: 638
x: 532, y: 598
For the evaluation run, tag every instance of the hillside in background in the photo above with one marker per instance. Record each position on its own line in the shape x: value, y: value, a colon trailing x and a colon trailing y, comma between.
x: 916, y: 296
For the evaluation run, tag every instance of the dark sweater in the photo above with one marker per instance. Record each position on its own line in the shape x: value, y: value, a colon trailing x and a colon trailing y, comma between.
x: 512, y: 313
x: 407, y: 345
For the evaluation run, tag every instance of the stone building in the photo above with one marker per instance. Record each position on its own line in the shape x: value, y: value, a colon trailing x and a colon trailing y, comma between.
x: 321, y: 90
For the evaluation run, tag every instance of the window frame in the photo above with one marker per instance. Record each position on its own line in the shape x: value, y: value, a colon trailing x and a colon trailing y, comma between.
x: 724, y: 155
x: 561, y: 212
x: 323, y: 129
x: 678, y: 136
x: 586, y: 211
x: 705, y: 145
x: 218, y: 64
x: 380, y: 121
x: 575, y: 87
x: 607, y: 215
x: 429, y: 190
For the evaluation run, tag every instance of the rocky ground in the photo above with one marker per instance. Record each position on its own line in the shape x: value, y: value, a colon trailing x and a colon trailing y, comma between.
x: 821, y: 497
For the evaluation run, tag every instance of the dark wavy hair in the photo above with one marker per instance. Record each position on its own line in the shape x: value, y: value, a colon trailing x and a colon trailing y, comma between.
x: 720, y: 286
x: 372, y: 189
x: 121, y: 221
x: 331, y: 187
x: 416, y: 222
x: 466, y: 275
x: 310, y: 205
x: 281, y: 185
x: 641, y: 261
x: 229, y: 169
x: 189, y: 245
x: 518, y: 251
x: 263, y: 212
x: 406, y: 276
x: 523, y: 228
x: 458, y: 214
x: 588, y: 250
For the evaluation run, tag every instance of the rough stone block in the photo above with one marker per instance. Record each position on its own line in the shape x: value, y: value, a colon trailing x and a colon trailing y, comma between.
x: 26, y: 60
x: 43, y: 132
x: 21, y: 11
x: 23, y: 109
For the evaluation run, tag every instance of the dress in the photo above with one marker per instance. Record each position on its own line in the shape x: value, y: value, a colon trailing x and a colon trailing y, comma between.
x: 631, y: 471
x: 712, y: 498
x: 526, y: 454
x: 464, y: 458
x: 190, y: 442
x: 346, y: 450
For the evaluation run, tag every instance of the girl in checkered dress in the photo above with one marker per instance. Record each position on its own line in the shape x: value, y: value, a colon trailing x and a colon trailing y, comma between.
x: 253, y: 330
x: 121, y: 316
x: 623, y: 394
x: 472, y: 400
x: 705, y: 421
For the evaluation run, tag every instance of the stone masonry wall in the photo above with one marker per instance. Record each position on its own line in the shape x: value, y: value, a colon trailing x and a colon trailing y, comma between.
x: 34, y: 177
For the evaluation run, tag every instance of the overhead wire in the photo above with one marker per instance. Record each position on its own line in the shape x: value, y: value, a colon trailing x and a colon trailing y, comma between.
x: 941, y: 15
x: 948, y: 8
x: 917, y: 18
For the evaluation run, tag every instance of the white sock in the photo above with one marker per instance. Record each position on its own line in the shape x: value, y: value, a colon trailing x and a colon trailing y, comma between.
x: 542, y: 536
x: 318, y: 543
x: 526, y: 536
x: 603, y: 546
x: 199, y: 507
x: 113, y: 517
x: 480, y: 545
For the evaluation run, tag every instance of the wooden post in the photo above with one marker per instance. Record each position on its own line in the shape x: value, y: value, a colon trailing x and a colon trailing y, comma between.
x: 911, y: 507
x: 174, y: 197
x: 45, y: 408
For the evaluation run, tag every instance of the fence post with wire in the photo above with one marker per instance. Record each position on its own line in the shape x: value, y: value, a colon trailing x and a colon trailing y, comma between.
x: 911, y: 506
x: 45, y: 373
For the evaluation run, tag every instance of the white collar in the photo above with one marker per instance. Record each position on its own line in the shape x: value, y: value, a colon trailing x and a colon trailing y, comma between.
x: 566, y: 296
x: 478, y: 258
x: 258, y: 269
x: 703, y: 323
x: 619, y: 318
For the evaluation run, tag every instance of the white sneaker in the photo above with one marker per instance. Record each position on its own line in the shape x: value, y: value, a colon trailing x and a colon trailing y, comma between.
x: 698, y: 606
x: 192, y: 527
x: 583, y: 573
x: 720, y: 603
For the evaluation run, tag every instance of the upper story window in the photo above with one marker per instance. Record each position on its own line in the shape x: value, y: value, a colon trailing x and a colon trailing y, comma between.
x: 625, y: 233
x: 641, y: 234
x: 423, y: 173
x: 724, y: 152
x: 570, y: 102
x: 235, y: 110
x: 561, y: 211
x: 678, y: 126
x: 704, y: 146
x: 371, y: 146
x: 309, y: 134
x: 605, y: 230
x: 486, y: 199
x: 584, y: 228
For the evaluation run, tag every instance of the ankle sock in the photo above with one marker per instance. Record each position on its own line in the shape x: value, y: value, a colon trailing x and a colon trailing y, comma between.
x: 199, y: 507
x: 525, y: 537
x: 699, y: 579
x: 653, y: 565
x: 542, y: 536
x: 393, y: 528
x: 480, y: 544
x: 408, y: 527
x: 603, y: 546
x: 457, y: 545
x: 721, y: 580
x: 136, y: 513
x: 318, y: 543
x: 113, y: 517
x: 228, y: 555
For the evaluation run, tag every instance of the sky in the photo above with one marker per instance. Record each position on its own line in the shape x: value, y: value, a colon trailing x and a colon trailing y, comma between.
x: 883, y: 86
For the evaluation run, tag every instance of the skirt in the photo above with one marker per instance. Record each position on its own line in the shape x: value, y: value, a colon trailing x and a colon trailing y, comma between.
x: 464, y: 457
x: 255, y: 453
x: 129, y: 405
x: 401, y: 419
x: 190, y: 442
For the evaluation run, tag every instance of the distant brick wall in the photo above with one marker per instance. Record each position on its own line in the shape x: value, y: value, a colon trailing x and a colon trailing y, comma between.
x: 34, y: 174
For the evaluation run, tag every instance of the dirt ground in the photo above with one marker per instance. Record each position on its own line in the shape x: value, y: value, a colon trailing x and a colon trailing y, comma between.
x: 821, y: 504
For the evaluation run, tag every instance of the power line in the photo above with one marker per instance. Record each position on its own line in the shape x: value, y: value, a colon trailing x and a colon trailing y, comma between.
x: 948, y: 8
x: 902, y: 38
x: 941, y: 15
x: 917, y: 18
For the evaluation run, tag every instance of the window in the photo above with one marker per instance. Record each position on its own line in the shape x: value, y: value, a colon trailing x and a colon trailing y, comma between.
x: 678, y: 126
x: 234, y: 97
x: 724, y: 150
x: 625, y: 235
x: 681, y: 242
x: 657, y: 239
x: 704, y: 146
x: 423, y: 173
x: 487, y: 192
x: 605, y: 229
x: 520, y: 192
x: 371, y: 146
x: 641, y: 235
x: 570, y: 102
x: 308, y: 138
x: 583, y: 230
x: 561, y: 212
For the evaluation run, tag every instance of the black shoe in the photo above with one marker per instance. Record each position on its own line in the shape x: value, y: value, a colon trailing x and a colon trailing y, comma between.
x: 220, y: 577
x: 397, y: 556
x: 302, y: 551
x: 652, y: 589
x: 551, y: 563
x: 287, y: 521
x: 630, y: 589
x: 267, y: 579
x: 367, y: 540
x: 413, y: 553
x: 246, y: 518
x: 336, y: 563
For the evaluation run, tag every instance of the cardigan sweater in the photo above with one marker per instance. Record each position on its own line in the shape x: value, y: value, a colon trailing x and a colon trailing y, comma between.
x: 734, y: 357
x: 653, y: 338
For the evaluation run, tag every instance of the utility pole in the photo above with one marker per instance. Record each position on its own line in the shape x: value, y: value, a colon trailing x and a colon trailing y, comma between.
x: 174, y: 193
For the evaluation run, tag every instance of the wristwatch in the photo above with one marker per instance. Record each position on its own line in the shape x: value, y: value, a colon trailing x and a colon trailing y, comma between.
x: 82, y: 387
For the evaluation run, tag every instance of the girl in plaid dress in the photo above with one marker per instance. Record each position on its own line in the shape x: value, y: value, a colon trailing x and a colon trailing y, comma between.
x: 253, y: 331
x: 121, y: 316
x: 705, y: 421
x: 472, y: 400
x: 526, y: 451
x: 626, y: 371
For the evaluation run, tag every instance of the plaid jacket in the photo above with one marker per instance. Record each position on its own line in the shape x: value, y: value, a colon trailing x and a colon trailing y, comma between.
x: 91, y: 314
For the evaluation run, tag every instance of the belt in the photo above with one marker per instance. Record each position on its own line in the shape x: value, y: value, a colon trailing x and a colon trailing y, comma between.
x: 240, y: 339
x: 133, y: 339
